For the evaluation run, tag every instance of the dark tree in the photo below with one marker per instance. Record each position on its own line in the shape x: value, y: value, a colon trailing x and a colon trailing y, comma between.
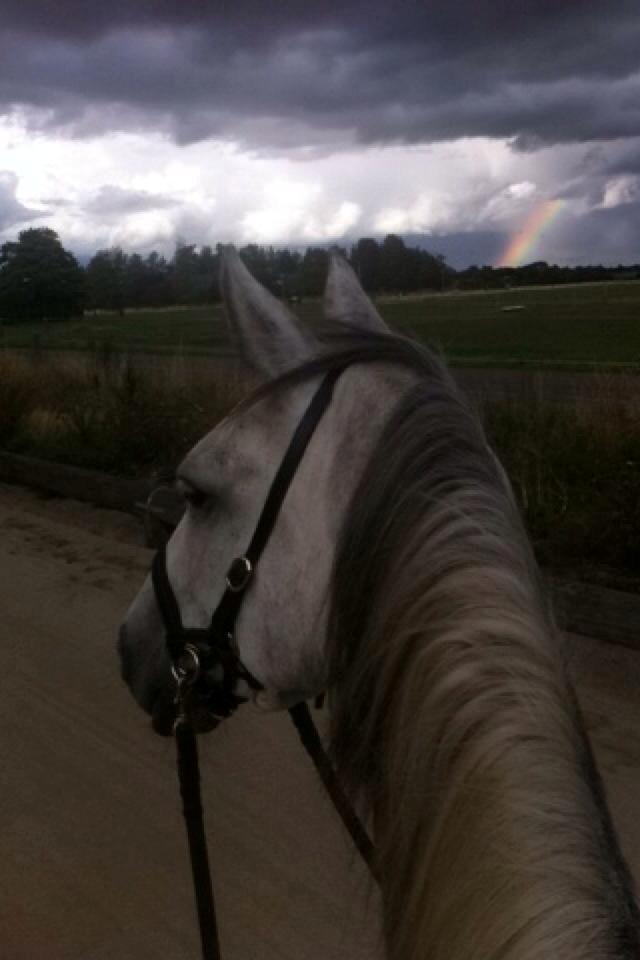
x: 105, y: 280
x: 365, y: 260
x: 39, y: 279
x: 156, y: 287
x: 287, y: 269
x: 394, y: 265
x: 185, y: 273
x: 261, y: 262
x: 208, y: 268
x: 313, y: 272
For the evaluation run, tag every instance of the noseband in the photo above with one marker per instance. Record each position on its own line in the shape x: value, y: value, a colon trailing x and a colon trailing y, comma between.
x: 205, y: 659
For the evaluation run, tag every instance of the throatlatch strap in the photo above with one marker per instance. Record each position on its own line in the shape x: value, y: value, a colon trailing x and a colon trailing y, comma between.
x: 312, y: 743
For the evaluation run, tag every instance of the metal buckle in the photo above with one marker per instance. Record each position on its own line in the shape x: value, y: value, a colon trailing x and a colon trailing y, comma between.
x: 239, y: 574
x: 186, y: 671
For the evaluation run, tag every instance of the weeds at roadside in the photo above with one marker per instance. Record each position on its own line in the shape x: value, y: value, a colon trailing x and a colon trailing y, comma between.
x: 575, y: 468
x: 106, y: 414
x: 17, y: 399
x: 576, y: 473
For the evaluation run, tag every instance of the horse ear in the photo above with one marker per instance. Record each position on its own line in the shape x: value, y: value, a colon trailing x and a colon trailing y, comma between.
x: 345, y: 301
x: 269, y: 335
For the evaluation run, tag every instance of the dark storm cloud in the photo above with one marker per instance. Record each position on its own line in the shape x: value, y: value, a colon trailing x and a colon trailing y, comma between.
x: 605, y: 166
x: 627, y: 161
x: 609, y: 236
x: 295, y: 74
x: 12, y: 212
x: 479, y: 247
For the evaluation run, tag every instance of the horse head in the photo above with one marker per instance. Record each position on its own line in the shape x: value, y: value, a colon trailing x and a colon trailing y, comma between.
x: 280, y: 632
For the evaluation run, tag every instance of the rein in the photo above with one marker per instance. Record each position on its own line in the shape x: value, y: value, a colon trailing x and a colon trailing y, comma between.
x: 207, y: 668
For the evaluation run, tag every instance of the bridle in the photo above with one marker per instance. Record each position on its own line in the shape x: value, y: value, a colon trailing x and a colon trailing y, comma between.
x: 207, y: 670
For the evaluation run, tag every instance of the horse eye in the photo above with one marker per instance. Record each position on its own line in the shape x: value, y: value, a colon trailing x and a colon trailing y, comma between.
x: 195, y: 498
x: 190, y: 494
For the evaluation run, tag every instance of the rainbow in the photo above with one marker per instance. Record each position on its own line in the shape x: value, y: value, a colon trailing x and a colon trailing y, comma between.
x: 521, y: 243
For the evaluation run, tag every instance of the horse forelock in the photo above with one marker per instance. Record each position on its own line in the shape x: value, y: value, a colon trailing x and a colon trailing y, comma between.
x: 452, y: 713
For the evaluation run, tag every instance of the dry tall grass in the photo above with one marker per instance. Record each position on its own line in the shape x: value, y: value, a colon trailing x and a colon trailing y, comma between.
x: 575, y: 468
x: 109, y: 411
x: 575, y: 465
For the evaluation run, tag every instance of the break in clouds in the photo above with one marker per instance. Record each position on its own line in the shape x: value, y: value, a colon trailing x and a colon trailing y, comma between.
x: 292, y: 92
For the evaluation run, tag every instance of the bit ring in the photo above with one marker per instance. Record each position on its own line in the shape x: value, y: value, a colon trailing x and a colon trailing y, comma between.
x: 186, y: 671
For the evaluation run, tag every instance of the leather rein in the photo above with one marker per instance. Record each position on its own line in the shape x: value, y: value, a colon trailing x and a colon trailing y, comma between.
x: 207, y: 669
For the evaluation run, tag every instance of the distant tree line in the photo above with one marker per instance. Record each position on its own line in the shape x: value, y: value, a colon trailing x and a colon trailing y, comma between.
x: 39, y: 279
x: 539, y: 273
x: 116, y: 280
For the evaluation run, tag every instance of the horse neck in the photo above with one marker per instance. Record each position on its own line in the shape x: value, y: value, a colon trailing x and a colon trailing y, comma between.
x: 454, y: 719
x: 490, y: 834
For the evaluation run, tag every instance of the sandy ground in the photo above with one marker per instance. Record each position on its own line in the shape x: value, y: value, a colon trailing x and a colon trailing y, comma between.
x: 92, y: 856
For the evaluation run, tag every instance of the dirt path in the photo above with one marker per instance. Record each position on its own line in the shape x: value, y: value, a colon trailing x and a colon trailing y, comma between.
x: 92, y: 857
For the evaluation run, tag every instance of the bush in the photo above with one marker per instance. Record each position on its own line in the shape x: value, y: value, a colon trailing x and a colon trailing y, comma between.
x: 17, y: 399
x: 106, y: 414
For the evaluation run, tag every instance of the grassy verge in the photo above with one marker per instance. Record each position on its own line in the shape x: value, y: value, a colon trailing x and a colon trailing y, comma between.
x: 575, y: 467
x: 576, y: 473
x: 102, y: 412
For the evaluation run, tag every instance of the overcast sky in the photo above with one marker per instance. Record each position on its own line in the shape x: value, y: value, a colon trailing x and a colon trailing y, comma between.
x: 139, y: 122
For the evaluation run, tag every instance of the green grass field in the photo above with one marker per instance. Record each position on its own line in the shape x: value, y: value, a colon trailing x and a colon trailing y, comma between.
x: 572, y: 327
x: 564, y: 327
x: 192, y: 330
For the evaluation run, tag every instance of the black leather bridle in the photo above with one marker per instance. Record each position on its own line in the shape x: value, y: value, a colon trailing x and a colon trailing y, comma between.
x: 207, y: 669
x: 206, y: 658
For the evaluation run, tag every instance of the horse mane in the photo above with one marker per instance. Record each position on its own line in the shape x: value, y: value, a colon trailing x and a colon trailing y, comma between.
x: 453, y: 718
